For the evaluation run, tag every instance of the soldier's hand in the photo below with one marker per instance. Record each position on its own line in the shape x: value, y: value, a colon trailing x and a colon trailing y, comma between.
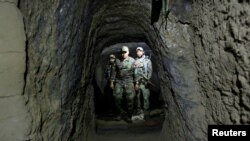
x: 137, y: 87
x: 111, y: 85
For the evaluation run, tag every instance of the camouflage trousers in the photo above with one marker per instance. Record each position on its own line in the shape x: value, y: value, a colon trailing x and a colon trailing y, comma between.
x: 144, y: 91
x: 129, y: 91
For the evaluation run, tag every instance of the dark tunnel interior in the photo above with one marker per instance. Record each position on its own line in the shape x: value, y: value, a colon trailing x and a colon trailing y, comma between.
x: 103, y: 97
x: 56, y: 51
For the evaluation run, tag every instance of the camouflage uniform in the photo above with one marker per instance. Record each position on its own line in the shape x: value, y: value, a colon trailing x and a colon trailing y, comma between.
x: 109, y: 68
x: 143, y: 69
x: 108, y: 98
x: 124, y: 83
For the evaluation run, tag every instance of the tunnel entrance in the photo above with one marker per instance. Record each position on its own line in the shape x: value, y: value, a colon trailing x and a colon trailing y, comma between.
x: 202, y: 59
x: 105, y: 108
x: 61, y: 63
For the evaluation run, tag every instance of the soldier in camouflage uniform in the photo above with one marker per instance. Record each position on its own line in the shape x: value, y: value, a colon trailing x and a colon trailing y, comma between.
x: 108, y: 92
x: 143, y: 69
x: 124, y: 76
x: 109, y: 68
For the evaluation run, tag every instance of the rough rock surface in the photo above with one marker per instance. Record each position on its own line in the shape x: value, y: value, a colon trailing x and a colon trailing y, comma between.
x: 14, y: 117
x: 208, y: 64
x: 222, y: 55
x: 202, y: 47
x: 54, y: 92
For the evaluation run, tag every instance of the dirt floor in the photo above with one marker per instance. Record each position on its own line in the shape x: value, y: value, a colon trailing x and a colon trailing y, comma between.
x: 155, y: 136
x: 145, y: 130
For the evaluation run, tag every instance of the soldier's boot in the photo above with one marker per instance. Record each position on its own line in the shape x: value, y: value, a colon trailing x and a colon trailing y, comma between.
x: 118, y: 118
x: 127, y: 118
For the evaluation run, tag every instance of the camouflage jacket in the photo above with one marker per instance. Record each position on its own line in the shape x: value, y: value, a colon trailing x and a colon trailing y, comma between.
x: 109, y: 68
x: 124, y: 70
x: 143, y: 68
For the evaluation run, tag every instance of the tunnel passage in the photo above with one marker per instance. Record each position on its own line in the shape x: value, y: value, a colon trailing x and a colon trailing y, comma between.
x: 203, y: 62
x: 105, y: 108
x: 82, y: 29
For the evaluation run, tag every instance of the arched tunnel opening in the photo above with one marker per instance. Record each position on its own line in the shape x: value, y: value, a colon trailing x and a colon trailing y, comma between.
x: 108, y: 25
x: 104, y: 100
x: 199, y: 51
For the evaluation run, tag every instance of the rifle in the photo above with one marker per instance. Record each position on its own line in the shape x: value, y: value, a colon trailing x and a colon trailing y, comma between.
x: 148, y: 81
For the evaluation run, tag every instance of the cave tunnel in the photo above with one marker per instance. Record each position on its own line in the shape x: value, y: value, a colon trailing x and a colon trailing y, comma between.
x: 104, y: 99
x: 52, y: 53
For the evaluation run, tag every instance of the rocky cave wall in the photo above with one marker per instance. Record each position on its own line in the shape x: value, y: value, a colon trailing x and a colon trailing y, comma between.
x: 216, y: 45
x: 14, y: 117
x: 222, y: 55
x: 56, y: 31
x: 203, y: 62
